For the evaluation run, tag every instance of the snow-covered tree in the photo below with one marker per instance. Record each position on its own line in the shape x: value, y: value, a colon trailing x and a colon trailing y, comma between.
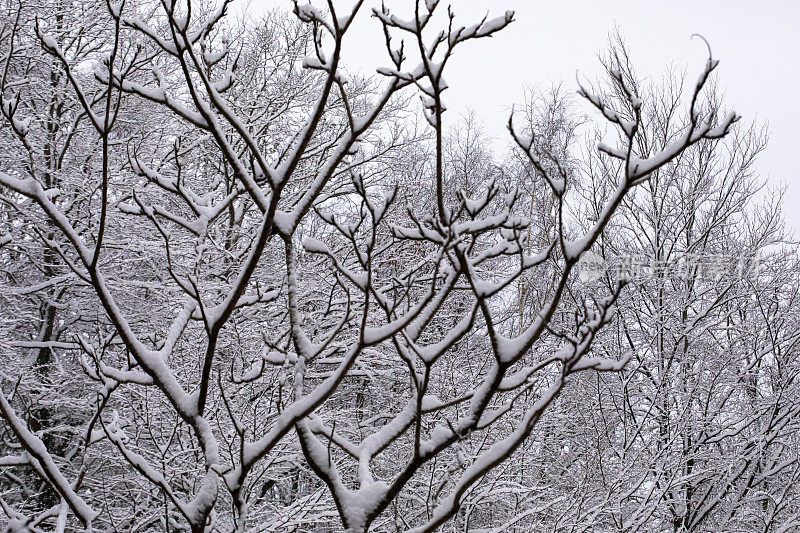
x: 278, y: 303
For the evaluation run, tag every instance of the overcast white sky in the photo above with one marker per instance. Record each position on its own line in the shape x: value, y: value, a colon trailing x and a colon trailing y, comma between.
x: 758, y: 44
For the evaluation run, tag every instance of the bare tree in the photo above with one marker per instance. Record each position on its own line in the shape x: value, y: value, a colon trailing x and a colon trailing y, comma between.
x: 267, y: 311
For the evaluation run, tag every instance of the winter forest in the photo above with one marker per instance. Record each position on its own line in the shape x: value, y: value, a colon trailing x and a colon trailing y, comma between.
x: 247, y: 288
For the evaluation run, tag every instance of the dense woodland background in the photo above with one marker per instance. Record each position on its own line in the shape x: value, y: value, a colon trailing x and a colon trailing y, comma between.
x: 243, y: 289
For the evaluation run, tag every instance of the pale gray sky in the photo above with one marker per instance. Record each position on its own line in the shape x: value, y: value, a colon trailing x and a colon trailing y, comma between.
x: 757, y: 44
